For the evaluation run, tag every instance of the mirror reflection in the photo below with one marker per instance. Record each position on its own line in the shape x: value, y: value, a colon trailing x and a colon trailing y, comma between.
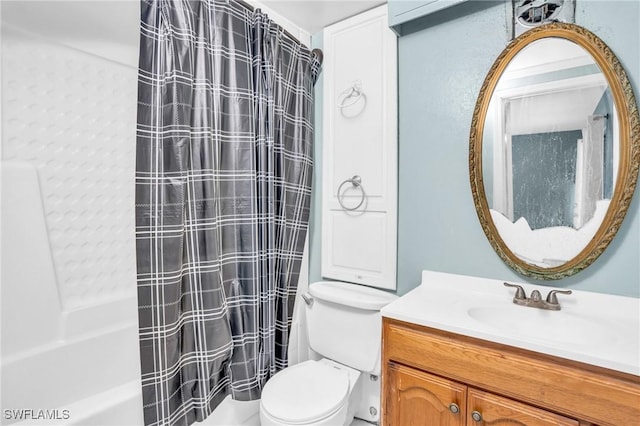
x: 550, y: 151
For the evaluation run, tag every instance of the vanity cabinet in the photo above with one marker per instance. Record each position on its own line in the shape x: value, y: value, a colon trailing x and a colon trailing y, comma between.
x: 419, y: 398
x: 431, y: 377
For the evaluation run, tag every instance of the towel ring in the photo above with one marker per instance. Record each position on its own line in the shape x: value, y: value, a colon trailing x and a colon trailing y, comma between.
x: 354, y: 92
x: 351, y: 96
x: 356, y: 181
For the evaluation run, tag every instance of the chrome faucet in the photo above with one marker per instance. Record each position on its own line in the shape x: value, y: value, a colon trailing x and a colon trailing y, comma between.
x: 535, y: 300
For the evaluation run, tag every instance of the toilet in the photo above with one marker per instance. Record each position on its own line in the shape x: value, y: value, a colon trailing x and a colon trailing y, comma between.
x: 344, y: 328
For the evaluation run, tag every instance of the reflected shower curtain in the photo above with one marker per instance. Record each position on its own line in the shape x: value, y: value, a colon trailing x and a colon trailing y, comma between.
x: 223, y: 184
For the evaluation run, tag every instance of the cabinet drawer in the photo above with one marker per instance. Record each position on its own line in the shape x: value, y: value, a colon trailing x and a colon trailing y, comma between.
x: 577, y: 390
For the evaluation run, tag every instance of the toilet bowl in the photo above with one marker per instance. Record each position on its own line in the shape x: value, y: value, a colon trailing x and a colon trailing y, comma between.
x: 312, y: 393
x: 344, y: 327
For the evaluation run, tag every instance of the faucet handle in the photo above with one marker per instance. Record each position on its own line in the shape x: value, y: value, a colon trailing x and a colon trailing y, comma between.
x: 520, y: 294
x: 535, y: 296
x: 551, y: 297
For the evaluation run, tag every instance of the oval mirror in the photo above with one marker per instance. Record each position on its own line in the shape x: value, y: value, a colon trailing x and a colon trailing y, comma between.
x: 554, y: 150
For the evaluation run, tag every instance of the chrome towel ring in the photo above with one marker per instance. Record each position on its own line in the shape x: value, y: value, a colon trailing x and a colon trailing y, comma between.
x: 356, y: 181
x: 350, y: 97
x: 354, y: 93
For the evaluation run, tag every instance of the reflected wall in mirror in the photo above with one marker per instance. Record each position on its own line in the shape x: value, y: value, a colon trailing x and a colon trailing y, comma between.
x: 554, y: 150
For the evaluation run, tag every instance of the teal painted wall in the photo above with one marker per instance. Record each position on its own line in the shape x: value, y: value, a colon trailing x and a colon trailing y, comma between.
x: 442, y: 62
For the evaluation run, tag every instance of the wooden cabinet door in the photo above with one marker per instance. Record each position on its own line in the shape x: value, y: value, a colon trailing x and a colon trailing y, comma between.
x: 416, y: 398
x: 498, y: 411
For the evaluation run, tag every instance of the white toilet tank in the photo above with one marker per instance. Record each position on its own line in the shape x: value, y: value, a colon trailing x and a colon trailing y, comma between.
x: 344, y: 323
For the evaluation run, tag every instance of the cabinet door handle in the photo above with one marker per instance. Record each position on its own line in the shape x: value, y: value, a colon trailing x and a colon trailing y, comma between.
x: 476, y: 416
x: 453, y: 407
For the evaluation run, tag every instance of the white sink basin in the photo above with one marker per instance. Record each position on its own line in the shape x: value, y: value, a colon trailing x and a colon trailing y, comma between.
x: 597, y: 329
x: 542, y: 325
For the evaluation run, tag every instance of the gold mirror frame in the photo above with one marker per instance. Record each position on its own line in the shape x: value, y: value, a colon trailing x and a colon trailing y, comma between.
x: 629, y: 148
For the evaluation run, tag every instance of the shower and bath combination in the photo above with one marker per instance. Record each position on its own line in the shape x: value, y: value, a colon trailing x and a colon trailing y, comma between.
x: 223, y: 170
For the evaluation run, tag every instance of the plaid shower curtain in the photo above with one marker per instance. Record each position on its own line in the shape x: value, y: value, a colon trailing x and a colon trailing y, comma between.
x: 223, y: 183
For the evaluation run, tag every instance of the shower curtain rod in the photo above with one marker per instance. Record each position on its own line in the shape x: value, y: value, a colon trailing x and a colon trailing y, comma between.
x: 317, y: 52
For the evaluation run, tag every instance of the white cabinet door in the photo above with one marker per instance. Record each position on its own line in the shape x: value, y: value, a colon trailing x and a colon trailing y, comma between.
x: 360, y: 139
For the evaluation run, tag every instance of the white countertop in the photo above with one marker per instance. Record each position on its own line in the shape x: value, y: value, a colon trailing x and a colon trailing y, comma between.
x: 593, y: 328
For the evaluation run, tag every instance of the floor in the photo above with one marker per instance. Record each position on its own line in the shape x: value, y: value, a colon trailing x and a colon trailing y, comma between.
x: 358, y: 422
x: 252, y: 421
x: 255, y: 421
x: 234, y: 413
x: 238, y: 413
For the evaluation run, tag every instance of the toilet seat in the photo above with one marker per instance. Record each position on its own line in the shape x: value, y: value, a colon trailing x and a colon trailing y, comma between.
x: 306, y: 393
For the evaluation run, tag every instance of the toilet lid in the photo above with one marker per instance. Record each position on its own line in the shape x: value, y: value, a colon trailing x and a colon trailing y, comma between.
x: 305, y: 392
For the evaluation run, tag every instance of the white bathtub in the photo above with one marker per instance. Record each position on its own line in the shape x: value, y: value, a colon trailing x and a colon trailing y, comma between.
x: 67, y: 366
x: 63, y: 380
x: 84, y: 382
